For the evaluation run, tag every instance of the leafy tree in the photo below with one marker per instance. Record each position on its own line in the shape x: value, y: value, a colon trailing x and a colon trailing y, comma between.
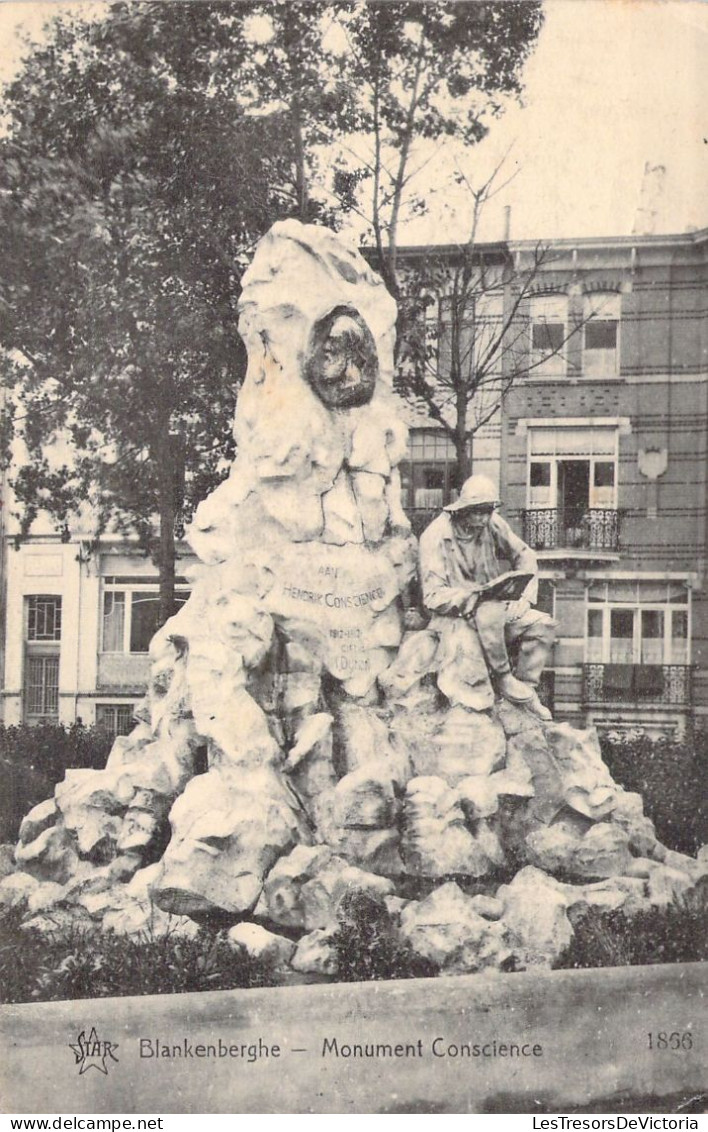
x: 289, y: 62
x: 133, y: 185
x: 146, y: 151
x: 361, y: 82
x: 430, y: 71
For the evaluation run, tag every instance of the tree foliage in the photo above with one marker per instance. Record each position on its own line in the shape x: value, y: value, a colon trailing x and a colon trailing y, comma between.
x: 435, y: 72
x: 146, y: 151
x: 132, y: 191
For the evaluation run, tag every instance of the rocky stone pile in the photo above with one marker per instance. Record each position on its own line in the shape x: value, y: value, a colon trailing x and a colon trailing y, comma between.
x: 329, y: 770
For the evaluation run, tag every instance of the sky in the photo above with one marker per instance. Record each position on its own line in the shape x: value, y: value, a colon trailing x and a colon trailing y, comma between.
x: 613, y: 85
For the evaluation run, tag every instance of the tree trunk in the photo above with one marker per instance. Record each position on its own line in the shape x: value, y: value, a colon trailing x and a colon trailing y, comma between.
x: 464, y: 463
x: 303, y: 202
x: 461, y: 441
x: 167, y: 508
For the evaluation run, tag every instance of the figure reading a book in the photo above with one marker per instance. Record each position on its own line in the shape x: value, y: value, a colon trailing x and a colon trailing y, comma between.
x: 482, y: 610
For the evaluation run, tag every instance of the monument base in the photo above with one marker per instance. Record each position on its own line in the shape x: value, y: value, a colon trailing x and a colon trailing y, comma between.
x: 628, y: 1040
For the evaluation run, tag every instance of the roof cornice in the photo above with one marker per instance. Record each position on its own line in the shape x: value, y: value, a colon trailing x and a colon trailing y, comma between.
x: 501, y: 249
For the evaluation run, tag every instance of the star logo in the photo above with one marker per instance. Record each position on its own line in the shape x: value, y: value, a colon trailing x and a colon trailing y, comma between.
x: 91, y: 1052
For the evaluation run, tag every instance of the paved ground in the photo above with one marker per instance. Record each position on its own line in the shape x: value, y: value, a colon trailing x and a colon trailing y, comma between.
x: 579, y: 1038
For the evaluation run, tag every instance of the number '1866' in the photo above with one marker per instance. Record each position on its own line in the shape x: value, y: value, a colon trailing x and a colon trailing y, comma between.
x: 674, y: 1040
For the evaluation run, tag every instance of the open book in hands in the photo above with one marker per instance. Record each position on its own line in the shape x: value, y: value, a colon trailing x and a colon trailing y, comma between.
x: 507, y: 587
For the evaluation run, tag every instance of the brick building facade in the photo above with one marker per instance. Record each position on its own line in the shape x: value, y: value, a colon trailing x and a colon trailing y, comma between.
x: 600, y: 455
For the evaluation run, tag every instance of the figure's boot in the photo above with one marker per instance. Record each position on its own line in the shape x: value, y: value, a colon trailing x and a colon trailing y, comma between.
x: 515, y: 690
x: 522, y: 694
x: 535, y: 706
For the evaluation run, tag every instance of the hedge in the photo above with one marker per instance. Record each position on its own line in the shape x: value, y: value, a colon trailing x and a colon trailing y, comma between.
x: 34, y: 759
x: 671, y: 778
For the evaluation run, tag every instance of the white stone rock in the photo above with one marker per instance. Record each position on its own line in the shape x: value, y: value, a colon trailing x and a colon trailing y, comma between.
x: 315, y: 954
x: 447, y: 929
x: 627, y: 893
x: 602, y: 852
x: 574, y: 846
x: 315, y: 730
x: 16, y: 889
x: 374, y: 850
x: 140, y: 886
x: 364, y: 798
x: 529, y: 748
x: 516, y: 719
x: 394, y: 905
x: 553, y: 847
x: 436, y: 841
x: 52, y: 855
x: 681, y: 862
x: 487, y: 906
x: 666, y: 884
x: 40, y: 817
x: 58, y: 921
x: 629, y: 815
x: 465, y: 743
x: 228, y: 830
x: 282, y: 900
x: 306, y: 889
x: 259, y: 943
x: 364, y: 741
x: 536, y: 914
x: 478, y: 796
x: 45, y: 896
x: 97, y: 904
x: 128, y: 910
x: 587, y: 784
x: 516, y: 775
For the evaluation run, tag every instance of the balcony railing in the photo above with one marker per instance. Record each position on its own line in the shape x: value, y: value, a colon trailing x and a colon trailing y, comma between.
x: 663, y: 684
x: 547, y: 528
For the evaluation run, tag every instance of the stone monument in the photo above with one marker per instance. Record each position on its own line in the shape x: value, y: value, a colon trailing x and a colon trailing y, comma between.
x: 287, y: 754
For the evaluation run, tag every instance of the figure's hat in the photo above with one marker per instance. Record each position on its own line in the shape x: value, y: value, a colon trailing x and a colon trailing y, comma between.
x: 476, y: 492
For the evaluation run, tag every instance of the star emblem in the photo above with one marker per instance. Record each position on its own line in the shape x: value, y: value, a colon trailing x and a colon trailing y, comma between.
x: 91, y: 1052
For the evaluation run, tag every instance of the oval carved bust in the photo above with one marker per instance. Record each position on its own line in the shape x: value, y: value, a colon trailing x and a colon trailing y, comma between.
x: 342, y: 363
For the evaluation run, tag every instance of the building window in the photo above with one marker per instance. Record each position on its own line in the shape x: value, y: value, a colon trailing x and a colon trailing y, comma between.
x: 42, y: 651
x: 43, y: 618
x: 638, y: 623
x: 469, y: 331
x: 601, y: 319
x: 131, y: 613
x: 549, y: 321
x: 42, y: 688
x: 428, y: 476
x: 117, y: 719
x: 572, y: 488
x: 572, y: 469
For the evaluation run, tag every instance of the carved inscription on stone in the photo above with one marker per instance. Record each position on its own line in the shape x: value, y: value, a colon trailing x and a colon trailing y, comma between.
x: 346, y: 593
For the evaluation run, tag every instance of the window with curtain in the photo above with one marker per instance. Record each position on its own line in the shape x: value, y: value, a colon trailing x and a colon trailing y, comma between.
x: 601, y: 318
x: 548, y: 316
